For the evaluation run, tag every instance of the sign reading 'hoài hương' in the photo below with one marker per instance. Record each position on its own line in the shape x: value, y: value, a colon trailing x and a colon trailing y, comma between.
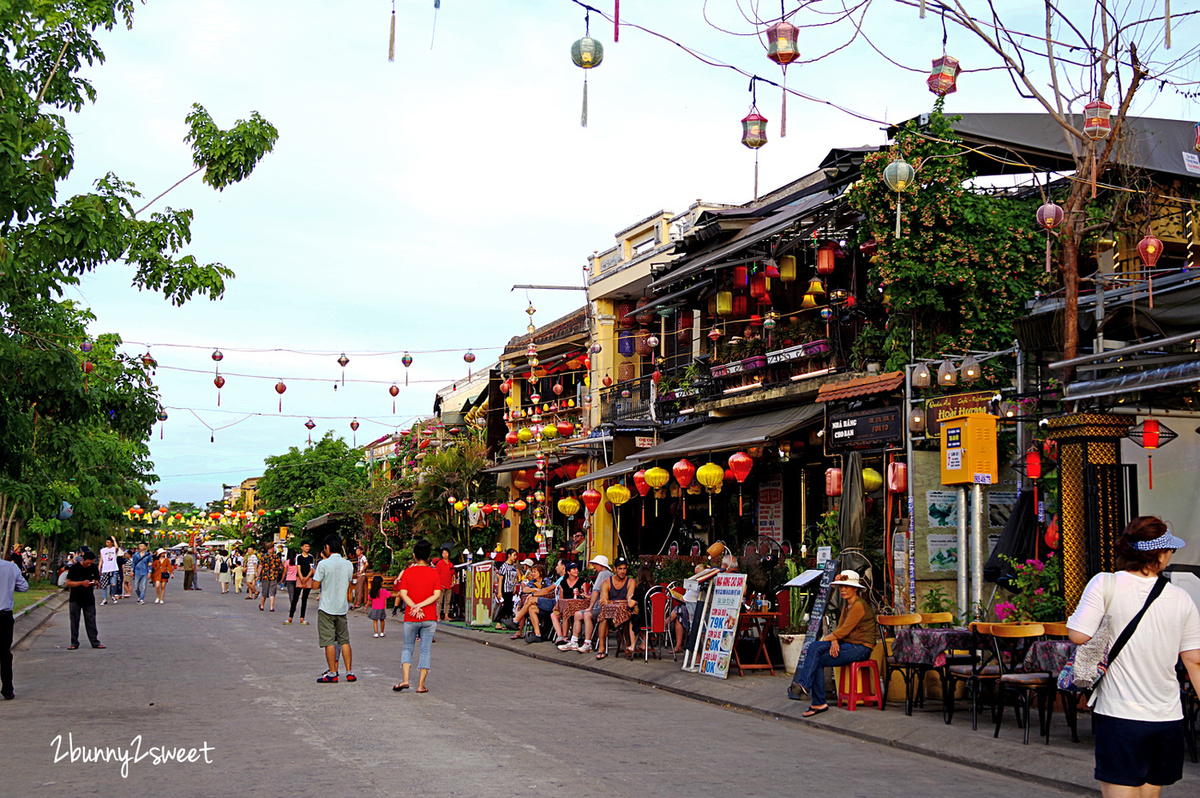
x: 940, y: 408
x: 864, y: 429
x: 720, y: 634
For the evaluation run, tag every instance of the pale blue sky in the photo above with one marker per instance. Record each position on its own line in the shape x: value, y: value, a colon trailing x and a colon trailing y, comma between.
x: 404, y: 199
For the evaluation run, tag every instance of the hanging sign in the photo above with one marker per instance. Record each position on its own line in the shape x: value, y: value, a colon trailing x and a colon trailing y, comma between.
x: 864, y: 429
x: 940, y: 408
x: 818, y: 613
x: 479, y: 595
x: 720, y: 634
x: 770, y: 508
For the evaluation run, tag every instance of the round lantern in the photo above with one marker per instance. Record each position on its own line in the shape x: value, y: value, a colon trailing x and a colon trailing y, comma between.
x: 469, y: 358
x: 549, y: 432
x: 898, y: 175
x: 618, y: 494
x: 460, y: 505
x: 833, y: 482
x: 217, y: 356
x: 710, y: 475
x: 872, y: 480
x: 279, y: 389
x: 1050, y: 216
x: 568, y: 506
x: 591, y: 499
x: 943, y: 76
x: 652, y: 342
x: 524, y: 435
x: 684, y: 471
x: 502, y: 508
x: 740, y: 464
x: 1149, y: 250
x: 565, y: 428
x: 354, y: 425
x: 587, y: 53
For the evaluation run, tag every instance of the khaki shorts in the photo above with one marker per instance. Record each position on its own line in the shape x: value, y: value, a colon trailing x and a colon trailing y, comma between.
x: 332, y: 630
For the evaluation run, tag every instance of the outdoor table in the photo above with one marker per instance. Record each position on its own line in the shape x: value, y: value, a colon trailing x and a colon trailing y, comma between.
x: 1048, y: 656
x: 763, y: 623
x: 617, y: 612
x: 566, y: 608
x: 929, y: 646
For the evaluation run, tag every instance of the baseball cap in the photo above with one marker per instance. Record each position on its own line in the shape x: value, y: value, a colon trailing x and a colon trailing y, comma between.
x: 617, y: 563
x: 526, y: 561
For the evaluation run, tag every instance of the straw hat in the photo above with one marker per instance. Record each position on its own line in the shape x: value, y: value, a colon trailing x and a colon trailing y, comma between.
x: 848, y: 579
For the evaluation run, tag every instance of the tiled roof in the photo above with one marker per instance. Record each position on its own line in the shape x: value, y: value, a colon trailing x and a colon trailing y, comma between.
x: 860, y: 386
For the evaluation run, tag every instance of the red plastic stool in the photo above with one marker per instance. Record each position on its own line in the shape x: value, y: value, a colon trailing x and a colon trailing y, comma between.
x: 864, y: 688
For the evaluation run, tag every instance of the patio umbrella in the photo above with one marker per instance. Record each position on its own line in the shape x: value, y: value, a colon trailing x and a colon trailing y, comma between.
x: 852, y: 521
x: 1018, y: 540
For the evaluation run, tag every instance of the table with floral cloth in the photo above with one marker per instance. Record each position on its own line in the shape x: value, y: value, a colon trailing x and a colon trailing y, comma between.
x: 617, y: 612
x: 566, y: 608
x: 929, y: 646
x: 1048, y: 656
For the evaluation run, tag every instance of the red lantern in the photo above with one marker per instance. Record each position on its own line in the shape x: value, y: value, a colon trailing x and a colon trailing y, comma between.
x: 354, y: 425
x: 943, y: 75
x: 1151, y: 434
x: 827, y: 258
x: 279, y: 389
x: 511, y: 438
x: 758, y: 285
x: 1096, y: 124
x: 684, y: 471
x: 639, y: 482
x: 741, y: 306
x: 565, y: 428
x: 729, y: 477
x: 591, y: 499
x: 833, y: 482
x: 219, y: 381
x: 754, y: 129
x: 1052, y: 533
x: 519, y: 505
x: 1033, y: 463
x: 897, y: 477
x: 1149, y: 250
x: 741, y: 276
x: 740, y: 464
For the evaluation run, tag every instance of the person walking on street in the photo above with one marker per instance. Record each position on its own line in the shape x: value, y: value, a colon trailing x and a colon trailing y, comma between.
x: 11, y: 579
x: 1137, y: 712
x: 141, y: 559
x: 239, y: 570
x: 445, y: 569
x: 160, y: 574
x: 305, y: 567
x: 290, y: 573
x: 251, y: 574
x: 82, y: 577
x: 420, y: 589
x: 360, y: 578
x: 332, y: 578
x: 270, y: 569
x: 189, y: 570
x: 223, y: 567
x: 109, y: 572
x: 125, y: 564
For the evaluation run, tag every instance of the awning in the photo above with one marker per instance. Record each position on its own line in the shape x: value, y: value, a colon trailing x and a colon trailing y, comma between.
x: 669, y: 298
x: 860, y: 386
x: 735, y: 433
x: 620, y: 469
x: 524, y: 462
x: 1177, y: 374
x: 322, y: 520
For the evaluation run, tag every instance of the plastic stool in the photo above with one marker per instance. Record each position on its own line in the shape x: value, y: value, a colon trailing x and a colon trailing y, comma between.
x: 870, y: 692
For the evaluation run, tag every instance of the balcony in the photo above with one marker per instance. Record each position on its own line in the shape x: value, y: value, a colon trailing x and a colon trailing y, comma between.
x: 626, y: 401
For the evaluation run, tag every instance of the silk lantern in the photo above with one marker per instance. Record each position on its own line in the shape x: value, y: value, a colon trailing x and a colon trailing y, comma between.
x: 568, y: 506
x: 406, y: 361
x: 782, y: 49
x: 740, y: 464
x: 519, y: 505
x: 1050, y: 217
x: 787, y: 269
x: 591, y: 499
x: 833, y: 482
x: 1097, y: 127
x: 642, y: 487
x: 943, y: 75
x: 710, y: 475
x: 898, y: 175
x: 587, y: 54
x: 617, y: 495
x: 309, y: 426
x: 1150, y: 435
x: 219, y: 381
x: 279, y: 389
x: 826, y: 258
x: 684, y: 471
x: 656, y: 478
x: 1149, y: 250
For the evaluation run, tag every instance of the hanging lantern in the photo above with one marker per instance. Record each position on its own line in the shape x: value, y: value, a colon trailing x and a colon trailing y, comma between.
x: 394, y: 391
x: 406, y: 361
x: 279, y: 389
x: 921, y: 378
x: 652, y: 342
x: 741, y: 276
x: 787, y: 269
x: 162, y: 417
x: 1050, y: 217
x: 520, y: 506
x: 714, y: 335
x: 898, y: 175
x: 741, y: 306
x: 505, y: 386
x: 872, y: 480
x: 971, y: 371
x: 1150, y: 435
x: 827, y: 258
x: 148, y: 361
x: 740, y: 464
x: 591, y: 499
x: 565, y: 429
x: 586, y: 53
x: 754, y: 129
x: 558, y: 388
x: 342, y: 361
x: 897, y: 477
x: 1096, y: 123
x: 771, y: 320
x: 607, y: 381
x: 354, y: 425
x: 808, y: 302
x: 625, y: 343
x: 1149, y: 250
x: 309, y: 425
x: 833, y: 482
x: 947, y: 374
x: 219, y: 381
x: 782, y: 49
x: 217, y: 356
x: 618, y: 494
x: 758, y: 285
x: 826, y: 313
x: 771, y: 269
x: 815, y: 287
x: 943, y: 75
x: 916, y: 421
x: 568, y: 506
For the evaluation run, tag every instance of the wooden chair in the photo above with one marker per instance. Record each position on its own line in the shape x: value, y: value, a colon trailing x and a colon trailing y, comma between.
x: 929, y: 619
x: 979, y: 669
x: 1055, y: 629
x: 1022, y: 685
x: 911, y: 672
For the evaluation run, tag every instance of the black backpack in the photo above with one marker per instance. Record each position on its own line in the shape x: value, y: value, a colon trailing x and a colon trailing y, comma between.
x: 224, y: 565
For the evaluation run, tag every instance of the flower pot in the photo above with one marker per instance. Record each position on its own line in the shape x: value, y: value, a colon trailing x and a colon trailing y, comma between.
x: 792, y: 645
x: 757, y: 362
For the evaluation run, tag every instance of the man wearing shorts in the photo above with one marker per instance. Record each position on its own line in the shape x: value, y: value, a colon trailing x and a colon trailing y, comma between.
x: 332, y: 578
x: 270, y: 574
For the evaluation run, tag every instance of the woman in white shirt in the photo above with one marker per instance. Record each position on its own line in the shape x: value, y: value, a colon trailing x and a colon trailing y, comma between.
x: 1137, y: 712
x: 109, y: 571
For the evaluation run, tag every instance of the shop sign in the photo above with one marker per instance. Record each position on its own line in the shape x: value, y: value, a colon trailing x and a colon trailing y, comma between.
x: 940, y: 408
x: 721, y: 630
x: 770, y: 508
x: 643, y: 441
x: 864, y: 429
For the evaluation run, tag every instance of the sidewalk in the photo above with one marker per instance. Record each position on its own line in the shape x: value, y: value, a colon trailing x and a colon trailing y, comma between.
x: 1060, y: 764
x: 28, y: 620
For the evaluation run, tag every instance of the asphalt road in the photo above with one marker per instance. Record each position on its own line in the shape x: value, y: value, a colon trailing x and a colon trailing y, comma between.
x: 212, y: 673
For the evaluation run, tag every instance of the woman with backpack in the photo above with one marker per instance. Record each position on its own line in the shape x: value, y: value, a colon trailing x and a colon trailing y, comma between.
x: 224, y: 570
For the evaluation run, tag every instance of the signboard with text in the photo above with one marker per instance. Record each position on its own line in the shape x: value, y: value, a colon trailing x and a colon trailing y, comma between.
x: 720, y: 633
x: 770, y: 508
x: 479, y: 594
x: 940, y: 408
x: 864, y: 429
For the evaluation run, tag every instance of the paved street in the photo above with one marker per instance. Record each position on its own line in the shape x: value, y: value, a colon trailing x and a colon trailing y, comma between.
x: 206, y: 669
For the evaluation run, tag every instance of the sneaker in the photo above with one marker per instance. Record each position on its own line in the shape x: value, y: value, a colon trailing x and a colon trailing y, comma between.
x: 558, y: 641
x: 375, y: 635
x: 586, y: 647
x: 141, y: 602
x: 288, y: 622
x: 329, y: 677
x: 350, y: 677
x: 570, y: 645
x: 102, y: 603
x: 303, y: 622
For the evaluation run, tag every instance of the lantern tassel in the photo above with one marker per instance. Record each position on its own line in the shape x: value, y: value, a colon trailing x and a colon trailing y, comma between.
x: 1150, y: 284
x: 281, y: 403
x: 392, y: 37
x: 756, y: 175
x: 218, y: 397
x: 436, y: 5
x: 160, y: 433
x: 617, y: 21
x: 1047, y: 252
x: 583, y: 117
x: 898, y: 215
x: 1095, y: 169
x: 1150, y: 469
x: 783, y: 113
x: 740, y: 508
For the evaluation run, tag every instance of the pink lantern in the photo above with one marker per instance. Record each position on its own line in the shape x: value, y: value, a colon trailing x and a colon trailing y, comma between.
x: 833, y: 482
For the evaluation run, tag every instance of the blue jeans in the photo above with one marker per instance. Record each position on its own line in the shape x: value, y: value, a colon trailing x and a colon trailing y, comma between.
x: 425, y: 630
x: 139, y: 585
x: 812, y: 675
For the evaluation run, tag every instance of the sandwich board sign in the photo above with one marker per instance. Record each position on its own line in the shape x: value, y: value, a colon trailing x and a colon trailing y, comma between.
x: 720, y: 634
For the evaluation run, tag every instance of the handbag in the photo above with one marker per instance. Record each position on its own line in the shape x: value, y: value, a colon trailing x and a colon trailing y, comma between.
x: 1086, y: 667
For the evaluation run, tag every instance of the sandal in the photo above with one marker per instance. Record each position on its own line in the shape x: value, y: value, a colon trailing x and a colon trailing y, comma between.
x: 72, y: 648
x: 396, y: 688
x: 422, y: 689
x: 815, y: 711
x: 602, y: 655
x: 517, y: 636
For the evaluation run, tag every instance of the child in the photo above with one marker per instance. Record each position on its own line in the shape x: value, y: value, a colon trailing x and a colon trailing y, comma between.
x: 378, y: 611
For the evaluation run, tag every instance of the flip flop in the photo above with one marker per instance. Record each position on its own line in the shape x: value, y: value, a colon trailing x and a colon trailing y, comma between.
x: 815, y: 711
x: 797, y: 691
x: 602, y: 655
x: 398, y: 687
x: 422, y: 690
x: 72, y: 648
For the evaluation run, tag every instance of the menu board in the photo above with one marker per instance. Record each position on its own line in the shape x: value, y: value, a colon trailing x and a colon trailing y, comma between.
x: 479, y: 594
x: 818, y: 613
x: 770, y: 508
x: 720, y: 634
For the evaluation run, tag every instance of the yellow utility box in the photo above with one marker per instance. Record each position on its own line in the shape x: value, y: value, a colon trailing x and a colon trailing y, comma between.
x: 969, y: 450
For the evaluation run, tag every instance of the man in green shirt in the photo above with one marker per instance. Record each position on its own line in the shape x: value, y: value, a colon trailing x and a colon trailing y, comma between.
x: 189, y: 570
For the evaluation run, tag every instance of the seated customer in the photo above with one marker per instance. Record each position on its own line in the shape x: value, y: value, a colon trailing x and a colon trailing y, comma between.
x: 616, y: 590
x: 571, y: 586
x: 533, y: 590
x: 851, y: 641
x: 587, y: 618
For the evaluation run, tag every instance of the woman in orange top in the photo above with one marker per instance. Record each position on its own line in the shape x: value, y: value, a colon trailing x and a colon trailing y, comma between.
x: 160, y: 572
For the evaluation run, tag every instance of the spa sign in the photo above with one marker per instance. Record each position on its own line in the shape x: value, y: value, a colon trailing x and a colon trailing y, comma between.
x: 864, y: 429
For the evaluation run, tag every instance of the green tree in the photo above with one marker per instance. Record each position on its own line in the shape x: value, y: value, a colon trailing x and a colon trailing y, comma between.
x: 965, y: 262
x: 458, y: 472
x: 296, y: 477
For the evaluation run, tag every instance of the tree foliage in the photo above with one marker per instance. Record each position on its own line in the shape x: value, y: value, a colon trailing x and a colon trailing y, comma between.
x: 965, y: 261
x: 299, y: 476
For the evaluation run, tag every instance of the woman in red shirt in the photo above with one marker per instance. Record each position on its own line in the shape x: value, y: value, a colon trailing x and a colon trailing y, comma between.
x: 420, y: 589
x: 445, y: 569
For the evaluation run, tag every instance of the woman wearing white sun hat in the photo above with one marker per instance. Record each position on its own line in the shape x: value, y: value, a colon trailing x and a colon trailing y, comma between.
x: 851, y: 641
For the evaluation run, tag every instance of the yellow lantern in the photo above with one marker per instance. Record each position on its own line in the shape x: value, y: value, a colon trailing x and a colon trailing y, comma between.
x: 618, y: 494
x: 549, y: 432
x: 710, y: 475
x: 460, y: 506
x: 787, y: 269
x: 808, y: 302
x: 724, y: 303
x: 524, y: 434
x: 568, y: 506
x: 815, y: 287
x: 872, y: 480
x: 657, y: 477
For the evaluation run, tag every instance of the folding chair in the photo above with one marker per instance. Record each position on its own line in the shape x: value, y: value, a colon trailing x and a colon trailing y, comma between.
x: 656, y: 599
x: 977, y: 669
x: 1024, y: 686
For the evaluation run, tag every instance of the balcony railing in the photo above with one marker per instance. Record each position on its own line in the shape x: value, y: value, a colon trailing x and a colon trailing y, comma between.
x: 615, y: 405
